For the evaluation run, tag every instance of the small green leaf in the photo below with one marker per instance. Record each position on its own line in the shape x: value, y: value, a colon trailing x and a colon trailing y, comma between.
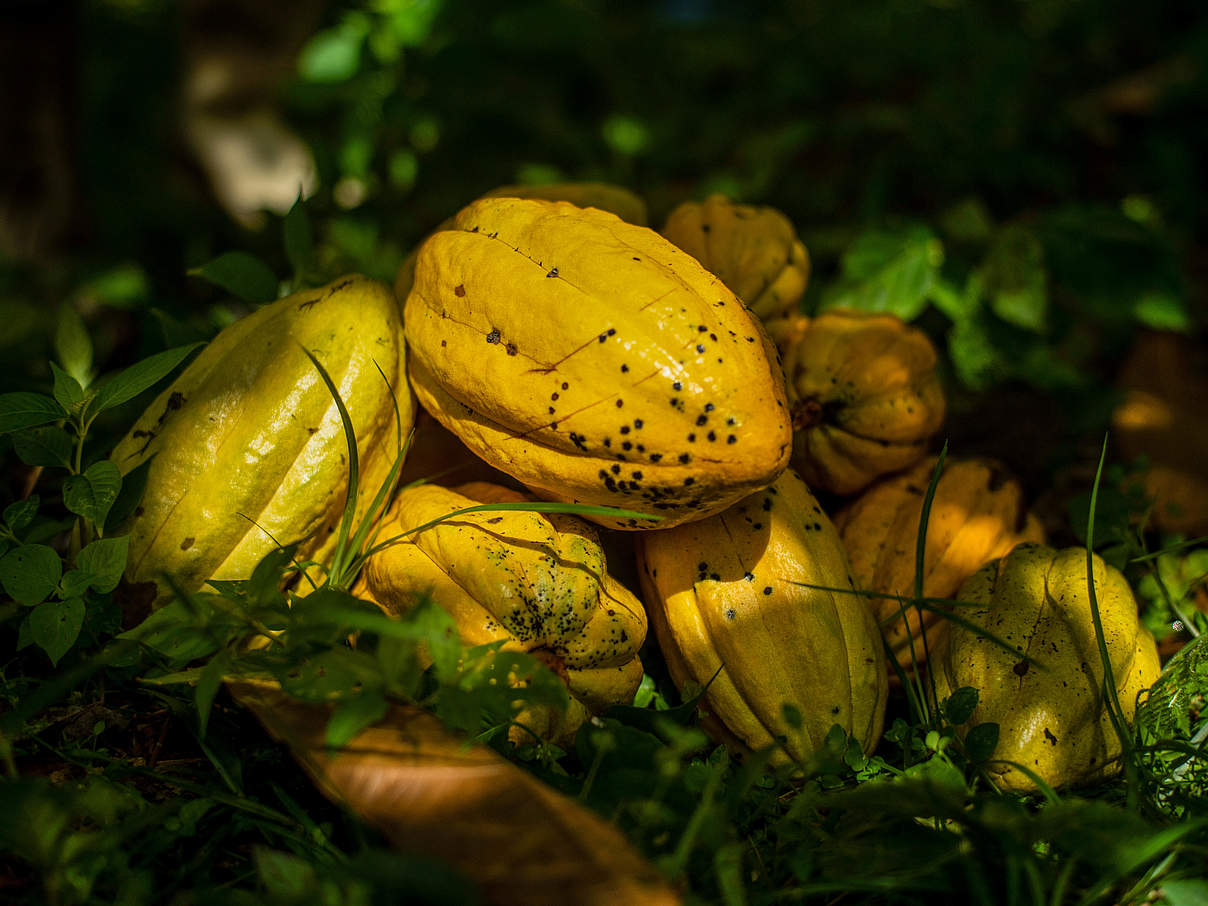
x: 960, y: 705
x: 105, y: 560
x: 126, y: 385
x: 55, y: 625
x: 888, y: 271
x: 1162, y: 311
x: 19, y: 514
x: 354, y: 714
x: 264, y: 586
x: 299, y: 240
x: 284, y: 877
x: 978, y: 361
x: 207, y: 687
x: 47, y: 445
x: 1188, y: 892
x: 240, y: 274
x: 134, y: 483
x: 74, y: 583
x: 73, y: 346
x: 29, y: 573
x: 173, y: 632
x: 27, y: 410
x: 981, y: 741
x: 330, y: 673
x: 1015, y: 280
x: 334, y: 55
x: 68, y: 391
x: 92, y: 494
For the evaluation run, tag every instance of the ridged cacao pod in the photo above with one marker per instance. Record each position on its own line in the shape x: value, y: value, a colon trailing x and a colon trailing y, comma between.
x: 1052, y: 718
x: 249, y: 431
x: 605, y: 196
x: 977, y: 515
x: 754, y: 250
x: 1165, y: 381
x: 731, y: 592
x: 594, y: 362
x: 538, y: 582
x: 864, y: 395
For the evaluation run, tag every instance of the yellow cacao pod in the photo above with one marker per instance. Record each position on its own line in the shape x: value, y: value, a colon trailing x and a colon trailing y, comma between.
x: 732, y: 592
x: 977, y: 515
x: 594, y: 362
x: 605, y: 196
x: 1052, y: 718
x: 537, y: 582
x: 754, y: 250
x: 247, y: 442
x: 864, y: 395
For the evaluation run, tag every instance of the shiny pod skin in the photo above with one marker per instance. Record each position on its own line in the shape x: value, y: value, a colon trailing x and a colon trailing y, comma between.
x: 594, y: 362
x: 731, y: 592
x: 246, y: 445
x: 538, y: 582
x: 1050, y: 711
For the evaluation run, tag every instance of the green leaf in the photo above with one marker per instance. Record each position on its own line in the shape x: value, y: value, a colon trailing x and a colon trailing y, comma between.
x: 264, y: 586
x: 126, y: 385
x: 207, y: 687
x: 981, y: 741
x: 299, y: 240
x: 47, y: 445
x: 977, y: 360
x: 29, y: 573
x: 334, y: 55
x: 73, y: 346
x: 19, y: 514
x: 68, y: 391
x: 1014, y: 278
x: 330, y: 673
x: 354, y: 714
x: 1162, y: 311
x: 960, y: 705
x: 134, y: 483
x: 888, y: 271
x: 55, y: 625
x: 284, y: 877
x: 74, y: 583
x: 92, y: 494
x: 240, y: 274
x: 105, y: 560
x: 27, y: 410
x: 173, y: 632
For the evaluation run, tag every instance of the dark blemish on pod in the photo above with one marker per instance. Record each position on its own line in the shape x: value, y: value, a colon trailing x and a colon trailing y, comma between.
x: 709, y: 407
x: 749, y: 576
x: 553, y: 273
x: 767, y: 589
x: 608, y: 441
x: 689, y: 480
x: 731, y: 439
x: 495, y: 520
x: 620, y: 403
x: 700, y: 348
x: 757, y: 525
x: 712, y: 436
x: 767, y: 504
x: 616, y: 470
x: 637, y: 423
x: 637, y: 475
x: 186, y: 544
x: 624, y: 369
x: 511, y: 348
x: 554, y: 396
x: 731, y: 613
x: 565, y: 386
x: 702, y: 328
x: 1020, y: 669
x: 701, y: 419
x: 677, y: 386
x: 459, y: 290
x: 691, y: 438
x: 656, y: 457
x: 444, y: 343
x: 493, y: 336
x: 627, y: 445
x: 685, y: 458
x: 713, y: 337
x: 624, y: 429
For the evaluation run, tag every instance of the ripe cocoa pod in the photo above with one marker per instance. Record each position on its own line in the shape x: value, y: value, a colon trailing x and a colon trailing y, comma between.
x: 734, y: 592
x: 754, y: 250
x: 1051, y: 714
x: 246, y: 445
x: 594, y: 362
x: 538, y: 582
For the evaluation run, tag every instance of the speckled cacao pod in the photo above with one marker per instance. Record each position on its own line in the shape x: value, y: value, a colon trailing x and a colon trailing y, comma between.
x: 977, y: 514
x: 864, y: 395
x: 754, y: 250
x: 594, y: 362
x: 537, y: 582
x: 605, y: 196
x: 249, y: 431
x: 1165, y: 383
x: 1052, y: 718
x: 731, y: 592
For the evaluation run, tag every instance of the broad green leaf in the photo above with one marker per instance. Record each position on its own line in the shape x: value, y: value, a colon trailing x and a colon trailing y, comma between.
x: 18, y: 515
x: 1186, y: 892
x: 126, y: 385
x: 959, y: 706
x: 55, y: 625
x: 68, y: 390
x: 977, y: 360
x: 27, y: 410
x: 74, y: 583
x: 134, y: 483
x: 92, y: 494
x: 105, y: 560
x: 334, y: 55
x: 173, y: 631
x: 29, y: 573
x: 1014, y: 278
x: 46, y: 445
x: 240, y: 274
x: 981, y: 741
x: 1162, y: 311
x: 354, y: 714
x: 299, y: 240
x: 73, y: 345
x: 888, y: 271
x: 330, y: 673
x: 264, y: 586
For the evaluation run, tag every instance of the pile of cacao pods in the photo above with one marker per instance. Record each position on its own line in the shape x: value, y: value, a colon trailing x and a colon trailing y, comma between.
x: 561, y: 350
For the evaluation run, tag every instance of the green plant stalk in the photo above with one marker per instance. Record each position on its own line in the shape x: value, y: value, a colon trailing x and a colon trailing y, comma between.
x: 1111, y: 699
